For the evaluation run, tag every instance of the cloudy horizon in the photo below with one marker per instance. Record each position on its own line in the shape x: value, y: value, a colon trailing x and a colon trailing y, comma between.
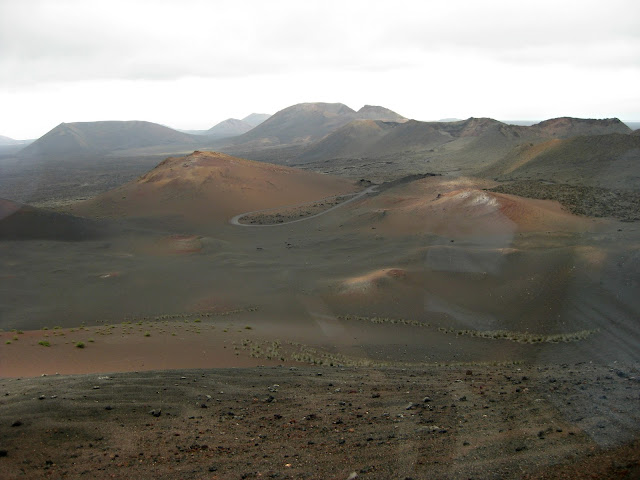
x: 194, y: 63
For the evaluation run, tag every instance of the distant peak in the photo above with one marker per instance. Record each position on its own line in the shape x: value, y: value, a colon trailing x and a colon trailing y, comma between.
x: 563, y: 126
x: 374, y: 108
x: 375, y: 112
x: 337, y: 108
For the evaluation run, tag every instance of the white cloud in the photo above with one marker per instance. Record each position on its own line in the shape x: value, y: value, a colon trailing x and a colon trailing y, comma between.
x: 88, y: 59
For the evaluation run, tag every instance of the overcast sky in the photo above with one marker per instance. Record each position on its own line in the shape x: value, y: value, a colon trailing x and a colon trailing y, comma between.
x: 190, y: 64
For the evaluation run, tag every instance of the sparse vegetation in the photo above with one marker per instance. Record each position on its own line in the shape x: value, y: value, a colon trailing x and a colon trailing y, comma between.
x: 520, y: 337
x: 44, y: 343
x: 79, y: 345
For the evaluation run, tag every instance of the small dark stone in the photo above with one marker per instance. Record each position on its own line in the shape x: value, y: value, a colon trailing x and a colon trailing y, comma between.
x: 156, y: 413
x: 375, y: 395
x: 203, y: 405
x: 213, y: 468
x: 427, y: 399
x: 520, y: 448
x: 3, y: 453
x: 108, y: 407
x: 341, y: 441
x: 17, y: 423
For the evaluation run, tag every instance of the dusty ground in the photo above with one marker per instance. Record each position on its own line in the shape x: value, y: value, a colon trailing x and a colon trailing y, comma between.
x: 417, y: 283
x: 288, y: 422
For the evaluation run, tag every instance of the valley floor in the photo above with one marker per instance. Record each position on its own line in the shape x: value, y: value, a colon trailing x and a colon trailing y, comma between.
x: 432, y: 329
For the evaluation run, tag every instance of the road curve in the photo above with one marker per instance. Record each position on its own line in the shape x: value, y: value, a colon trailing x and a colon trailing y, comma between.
x: 236, y: 220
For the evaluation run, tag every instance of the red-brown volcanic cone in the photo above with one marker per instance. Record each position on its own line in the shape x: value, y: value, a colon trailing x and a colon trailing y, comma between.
x: 210, y: 187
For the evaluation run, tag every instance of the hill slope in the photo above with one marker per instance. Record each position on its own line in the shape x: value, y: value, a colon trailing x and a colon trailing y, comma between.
x: 24, y: 222
x: 304, y: 123
x: 255, y: 119
x: 468, y: 147
x: 208, y: 187
x: 229, y: 128
x: 565, y: 127
x: 611, y: 161
x: 100, y: 138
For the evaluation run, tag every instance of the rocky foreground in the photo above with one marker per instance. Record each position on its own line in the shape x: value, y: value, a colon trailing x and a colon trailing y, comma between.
x: 514, y: 421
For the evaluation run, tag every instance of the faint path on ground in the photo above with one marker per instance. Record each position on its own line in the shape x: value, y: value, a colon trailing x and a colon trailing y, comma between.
x: 236, y: 220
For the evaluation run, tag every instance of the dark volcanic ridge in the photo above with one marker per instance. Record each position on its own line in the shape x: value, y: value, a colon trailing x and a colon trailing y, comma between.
x: 580, y: 200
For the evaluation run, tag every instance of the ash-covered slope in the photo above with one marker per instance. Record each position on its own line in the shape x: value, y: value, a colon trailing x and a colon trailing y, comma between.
x: 610, y: 161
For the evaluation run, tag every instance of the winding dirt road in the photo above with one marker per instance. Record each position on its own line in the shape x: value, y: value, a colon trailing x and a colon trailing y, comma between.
x: 236, y: 220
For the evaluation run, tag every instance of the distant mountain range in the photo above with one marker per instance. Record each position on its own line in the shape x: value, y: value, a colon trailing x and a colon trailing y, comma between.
x: 100, y: 138
x: 231, y: 127
x: 255, y: 119
x: 10, y: 141
x: 304, y: 123
x: 376, y: 138
x: 373, y: 142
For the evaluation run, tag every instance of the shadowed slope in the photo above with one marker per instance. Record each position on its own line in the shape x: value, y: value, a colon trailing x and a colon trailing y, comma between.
x: 24, y: 222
